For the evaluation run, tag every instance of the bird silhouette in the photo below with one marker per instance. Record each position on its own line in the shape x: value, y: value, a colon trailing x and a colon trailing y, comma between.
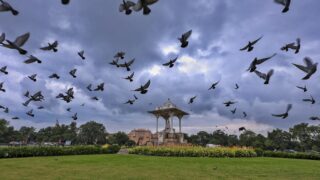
x: 171, y: 62
x: 75, y: 116
x: 6, y: 110
x: 18, y: 43
x: 35, y: 97
x: 242, y: 129
x: 229, y: 103
x: 244, y: 114
x: 54, y: 75
x: 115, y: 62
x: 303, y: 88
x: 311, y: 100
x: 4, y: 70
x: 256, y: 61
x: 237, y: 86
x: 144, y: 5
x: 285, y: 3
x: 265, y: 76
x: 119, y: 55
x: 51, y: 47
x: 5, y: 6
x: 250, y: 46
x: 81, y: 54
x: 126, y: 7
x: 143, y: 89
x: 234, y: 111
x: 127, y: 64
x: 73, y: 73
x: 284, y: 115
x: 65, y: 2
x: 27, y: 94
x: 309, y: 69
x: 130, y: 77
x: 100, y: 87
x: 15, y: 118
x: 184, y: 39
x: 1, y: 87
x: 89, y: 87
x: 32, y: 59
x: 314, y: 118
x: 213, y: 86
x: 293, y: 46
x: 191, y: 100
x: 30, y: 113
x: 68, y: 109
x: 33, y: 77
x: 95, y: 98
x: 40, y: 107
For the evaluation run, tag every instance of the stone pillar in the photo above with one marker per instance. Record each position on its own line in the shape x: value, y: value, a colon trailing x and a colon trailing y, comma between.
x: 179, y: 124
x: 157, y: 130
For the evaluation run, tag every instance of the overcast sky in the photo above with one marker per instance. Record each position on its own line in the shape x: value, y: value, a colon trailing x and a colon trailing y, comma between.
x: 220, y: 29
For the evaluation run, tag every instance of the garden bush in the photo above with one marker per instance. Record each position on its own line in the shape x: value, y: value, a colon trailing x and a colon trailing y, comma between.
x: 32, y: 151
x: 193, y: 151
x: 295, y: 155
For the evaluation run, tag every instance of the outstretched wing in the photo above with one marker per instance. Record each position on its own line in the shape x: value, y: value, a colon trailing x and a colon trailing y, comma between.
x: 255, y: 41
x: 278, y: 115
x: 289, y: 107
x: 186, y: 35
x: 302, y: 68
x: 260, y: 61
x: 260, y: 74
x: 131, y: 62
x: 166, y: 64
x: 308, y: 61
x: 282, y: 2
x: 137, y: 6
x: 21, y: 40
x: 147, y: 84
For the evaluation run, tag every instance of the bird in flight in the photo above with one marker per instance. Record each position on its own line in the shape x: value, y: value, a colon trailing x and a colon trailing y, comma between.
x: 265, y: 76
x: 73, y: 73
x: 143, y: 89
x: 213, y: 86
x: 35, y: 97
x: 32, y: 59
x: 30, y: 113
x: 311, y: 100
x: 314, y: 118
x: 144, y: 5
x: 171, y: 62
x: 127, y: 64
x: 244, y: 114
x: 17, y: 44
x: 75, y: 116
x: 184, y: 39
x: 229, y: 103
x: 65, y: 2
x: 130, y: 77
x: 284, y: 115
x: 191, y: 100
x: 81, y: 54
x: 51, y: 47
x: 303, y: 88
x: 5, y: 6
x: 4, y: 70
x: 119, y: 55
x: 249, y: 47
x: 256, y: 61
x: 242, y: 129
x: 285, y: 3
x: 115, y: 62
x: 310, y: 68
x: 237, y: 86
x: 89, y: 87
x: 293, y: 46
x: 54, y: 75
x: 234, y: 111
x: 100, y: 87
x: 126, y: 7
x: 1, y: 87
x: 131, y: 101
x: 33, y: 77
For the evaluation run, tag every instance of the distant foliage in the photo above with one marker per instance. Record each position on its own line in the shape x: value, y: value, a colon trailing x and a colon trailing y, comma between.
x: 33, y: 151
x: 296, y: 155
x: 194, y: 151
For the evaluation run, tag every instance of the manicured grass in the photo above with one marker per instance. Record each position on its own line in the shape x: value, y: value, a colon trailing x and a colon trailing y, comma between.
x: 151, y: 167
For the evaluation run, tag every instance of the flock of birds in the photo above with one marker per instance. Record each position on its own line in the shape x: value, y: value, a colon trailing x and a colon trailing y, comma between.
x: 309, y: 67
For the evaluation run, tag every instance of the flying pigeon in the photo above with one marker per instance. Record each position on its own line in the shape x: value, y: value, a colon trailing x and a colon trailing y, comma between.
x: 89, y: 87
x: 65, y: 2
x: 234, y: 110
x: 100, y: 87
x: 228, y: 103
x: 171, y: 62
x: 73, y: 73
x: 256, y: 61
x: 184, y: 39
x: 284, y: 115
x: 130, y: 77
x: 285, y: 3
x: 18, y: 43
x: 143, y: 89
x: 311, y: 100
x: 69, y: 109
x: 213, y: 86
x: 130, y: 101
x: 303, y: 88
x: 314, y: 118
x: 1, y: 87
x: 32, y: 59
x: 5, y: 6
x: 244, y: 114
x: 191, y: 100
x: 33, y: 77
x: 50, y: 47
x: 242, y: 129
x: 6, y: 110
x: 40, y: 107
x: 4, y: 70
x: 81, y: 54
x: 119, y: 55
x: 27, y: 94
x: 310, y: 67
x: 15, y: 118
x: 115, y: 63
x: 143, y: 4
x: 249, y: 47
x: 127, y: 64
x: 237, y: 86
x: 30, y: 113
x: 54, y: 75
x: 2, y: 107
x: 126, y: 6
x: 264, y: 76
x: 36, y: 97
x: 95, y: 98
x: 135, y: 97
x: 75, y: 116
x: 293, y: 46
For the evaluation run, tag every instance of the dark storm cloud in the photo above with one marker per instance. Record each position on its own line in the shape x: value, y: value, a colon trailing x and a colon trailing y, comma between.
x: 220, y: 29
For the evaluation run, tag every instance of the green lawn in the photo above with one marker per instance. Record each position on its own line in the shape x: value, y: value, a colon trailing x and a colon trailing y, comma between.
x: 144, y: 167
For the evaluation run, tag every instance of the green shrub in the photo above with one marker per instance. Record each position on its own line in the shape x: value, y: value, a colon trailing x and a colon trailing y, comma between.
x: 32, y: 151
x: 188, y: 151
x: 296, y: 155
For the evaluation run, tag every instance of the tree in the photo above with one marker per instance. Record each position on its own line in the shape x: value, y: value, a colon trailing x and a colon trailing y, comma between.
x: 219, y: 137
x: 119, y: 138
x: 278, y: 140
x: 27, y: 134
x: 92, y: 133
x: 247, y: 138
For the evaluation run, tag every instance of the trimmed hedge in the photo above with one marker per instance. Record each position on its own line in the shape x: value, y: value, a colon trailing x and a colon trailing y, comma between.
x: 32, y: 151
x: 297, y: 155
x: 189, y: 151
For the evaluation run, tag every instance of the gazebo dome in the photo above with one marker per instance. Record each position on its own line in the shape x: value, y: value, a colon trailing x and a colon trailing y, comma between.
x: 168, y: 105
